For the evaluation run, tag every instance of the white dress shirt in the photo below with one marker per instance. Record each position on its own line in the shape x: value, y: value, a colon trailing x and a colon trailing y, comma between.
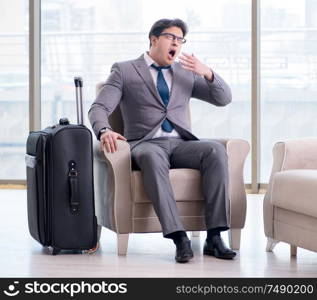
x: 168, y: 76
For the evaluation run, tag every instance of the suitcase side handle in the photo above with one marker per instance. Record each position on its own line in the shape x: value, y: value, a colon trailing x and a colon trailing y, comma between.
x: 73, y: 183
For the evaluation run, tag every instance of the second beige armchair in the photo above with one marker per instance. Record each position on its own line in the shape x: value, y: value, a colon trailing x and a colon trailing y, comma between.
x: 290, y: 206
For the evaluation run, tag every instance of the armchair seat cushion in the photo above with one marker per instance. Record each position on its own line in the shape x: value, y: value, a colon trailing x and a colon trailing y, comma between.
x: 186, y: 184
x: 296, y: 190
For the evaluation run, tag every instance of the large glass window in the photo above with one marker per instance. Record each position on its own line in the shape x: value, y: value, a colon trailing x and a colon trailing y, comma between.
x: 86, y: 37
x: 288, y: 74
x: 14, y: 93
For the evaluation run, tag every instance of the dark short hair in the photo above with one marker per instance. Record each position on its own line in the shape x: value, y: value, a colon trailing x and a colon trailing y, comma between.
x: 159, y: 26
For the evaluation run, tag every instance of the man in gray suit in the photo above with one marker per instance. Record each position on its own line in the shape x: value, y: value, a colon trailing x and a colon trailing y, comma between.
x: 153, y: 92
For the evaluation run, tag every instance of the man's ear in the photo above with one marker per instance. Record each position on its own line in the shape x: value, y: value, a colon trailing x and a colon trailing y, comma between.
x: 153, y: 40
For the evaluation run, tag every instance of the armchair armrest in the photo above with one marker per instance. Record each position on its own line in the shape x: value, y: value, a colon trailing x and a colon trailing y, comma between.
x: 113, y: 187
x: 287, y: 155
x: 237, y: 151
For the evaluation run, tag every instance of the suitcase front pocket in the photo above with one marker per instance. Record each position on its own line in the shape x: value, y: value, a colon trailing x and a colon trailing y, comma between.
x: 34, y: 198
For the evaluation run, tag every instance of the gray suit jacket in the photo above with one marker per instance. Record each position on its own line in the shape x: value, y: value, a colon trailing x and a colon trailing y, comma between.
x: 130, y: 84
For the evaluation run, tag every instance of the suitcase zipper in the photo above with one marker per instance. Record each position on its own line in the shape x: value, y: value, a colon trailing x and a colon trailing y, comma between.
x: 48, y: 192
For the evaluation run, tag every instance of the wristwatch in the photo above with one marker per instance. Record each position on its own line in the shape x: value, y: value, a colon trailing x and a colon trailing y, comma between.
x: 101, y: 131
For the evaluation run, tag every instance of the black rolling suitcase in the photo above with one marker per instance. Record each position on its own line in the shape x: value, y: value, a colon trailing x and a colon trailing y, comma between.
x: 60, y: 193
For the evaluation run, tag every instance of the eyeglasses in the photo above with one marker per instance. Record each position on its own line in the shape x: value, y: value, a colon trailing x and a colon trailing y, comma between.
x: 173, y: 37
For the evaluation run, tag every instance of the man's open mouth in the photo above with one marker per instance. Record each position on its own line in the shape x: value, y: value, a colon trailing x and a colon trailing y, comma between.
x: 172, y: 53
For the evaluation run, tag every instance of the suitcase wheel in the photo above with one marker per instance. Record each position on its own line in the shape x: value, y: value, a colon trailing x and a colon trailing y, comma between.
x: 92, y: 250
x: 56, y: 251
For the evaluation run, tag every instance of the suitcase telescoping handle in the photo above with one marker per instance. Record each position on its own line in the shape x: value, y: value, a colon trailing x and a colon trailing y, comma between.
x: 79, y: 99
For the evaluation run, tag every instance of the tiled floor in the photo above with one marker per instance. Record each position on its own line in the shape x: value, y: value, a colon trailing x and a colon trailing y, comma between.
x: 149, y: 255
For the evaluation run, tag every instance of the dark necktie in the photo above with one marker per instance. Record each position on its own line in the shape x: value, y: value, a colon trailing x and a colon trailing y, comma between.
x: 164, y: 93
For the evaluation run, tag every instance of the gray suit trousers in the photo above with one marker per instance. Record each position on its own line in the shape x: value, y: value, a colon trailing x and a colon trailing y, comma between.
x: 155, y: 157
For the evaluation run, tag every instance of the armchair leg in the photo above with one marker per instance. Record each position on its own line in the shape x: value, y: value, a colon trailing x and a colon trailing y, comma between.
x: 293, y: 250
x: 195, y: 234
x: 122, y: 240
x: 99, y: 228
x: 271, y: 243
x: 234, y: 238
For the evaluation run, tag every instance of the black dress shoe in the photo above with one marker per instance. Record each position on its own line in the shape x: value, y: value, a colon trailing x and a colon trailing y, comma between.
x: 216, y: 247
x: 183, y: 250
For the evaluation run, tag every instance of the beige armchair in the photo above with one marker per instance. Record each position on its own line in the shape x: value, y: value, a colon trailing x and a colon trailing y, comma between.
x: 123, y: 206
x: 290, y: 206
